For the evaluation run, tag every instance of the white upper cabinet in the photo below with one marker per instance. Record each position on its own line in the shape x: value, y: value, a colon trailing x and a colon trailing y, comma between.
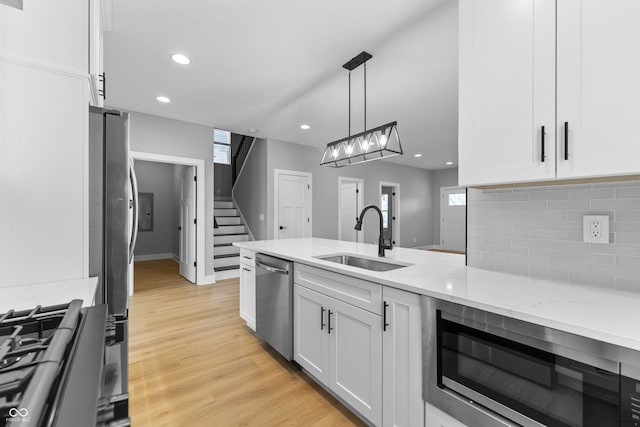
x: 598, y: 87
x: 507, y: 90
x: 98, y: 21
x: 513, y: 82
x: 49, y: 33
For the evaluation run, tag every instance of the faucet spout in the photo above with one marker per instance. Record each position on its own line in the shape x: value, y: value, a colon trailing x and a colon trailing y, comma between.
x: 381, y: 245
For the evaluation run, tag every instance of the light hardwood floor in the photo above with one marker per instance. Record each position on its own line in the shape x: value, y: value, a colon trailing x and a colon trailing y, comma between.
x: 193, y: 362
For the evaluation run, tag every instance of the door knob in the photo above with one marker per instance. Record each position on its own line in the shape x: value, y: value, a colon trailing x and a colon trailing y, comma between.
x: 179, y: 228
x: 282, y: 228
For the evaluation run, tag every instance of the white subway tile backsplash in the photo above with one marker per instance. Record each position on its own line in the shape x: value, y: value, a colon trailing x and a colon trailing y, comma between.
x: 616, y: 204
x: 537, y: 231
x: 592, y: 259
x: 628, y: 192
x: 588, y: 193
x: 569, y: 205
x: 549, y: 254
x: 549, y: 195
x: 528, y: 243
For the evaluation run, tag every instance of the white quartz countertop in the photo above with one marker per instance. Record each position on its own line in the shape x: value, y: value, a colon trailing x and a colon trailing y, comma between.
x: 602, y: 314
x: 28, y: 296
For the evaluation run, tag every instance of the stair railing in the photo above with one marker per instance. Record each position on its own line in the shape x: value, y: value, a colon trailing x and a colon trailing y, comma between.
x: 240, y: 156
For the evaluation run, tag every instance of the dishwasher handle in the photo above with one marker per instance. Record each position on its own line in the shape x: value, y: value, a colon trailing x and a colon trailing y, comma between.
x: 272, y: 269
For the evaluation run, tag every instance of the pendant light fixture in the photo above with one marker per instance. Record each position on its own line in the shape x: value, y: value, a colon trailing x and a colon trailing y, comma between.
x: 372, y: 144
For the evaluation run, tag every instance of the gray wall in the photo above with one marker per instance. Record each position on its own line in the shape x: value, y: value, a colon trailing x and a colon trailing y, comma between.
x: 537, y: 232
x: 160, y: 135
x: 156, y: 178
x: 441, y: 178
x: 250, y: 192
x: 222, y: 174
x: 415, y: 188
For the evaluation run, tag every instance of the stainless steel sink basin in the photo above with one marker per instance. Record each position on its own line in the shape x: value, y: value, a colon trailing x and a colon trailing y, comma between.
x: 365, y: 263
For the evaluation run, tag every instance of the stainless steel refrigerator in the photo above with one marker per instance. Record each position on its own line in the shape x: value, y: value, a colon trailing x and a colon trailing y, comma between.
x: 112, y: 230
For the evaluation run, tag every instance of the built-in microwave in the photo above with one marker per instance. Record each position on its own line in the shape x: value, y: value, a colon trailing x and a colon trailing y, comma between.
x: 491, y: 370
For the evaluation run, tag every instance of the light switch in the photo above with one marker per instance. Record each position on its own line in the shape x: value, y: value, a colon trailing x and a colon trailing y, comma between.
x: 261, y: 217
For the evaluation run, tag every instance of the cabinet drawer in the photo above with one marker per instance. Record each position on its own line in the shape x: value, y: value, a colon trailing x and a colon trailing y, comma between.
x: 248, y: 257
x: 358, y: 292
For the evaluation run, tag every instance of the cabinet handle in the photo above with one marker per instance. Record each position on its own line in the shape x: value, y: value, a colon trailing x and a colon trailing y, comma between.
x: 542, y: 144
x: 246, y: 257
x: 245, y: 269
x: 322, y: 318
x: 103, y: 78
x: 384, y: 316
x: 329, y: 329
x: 566, y: 140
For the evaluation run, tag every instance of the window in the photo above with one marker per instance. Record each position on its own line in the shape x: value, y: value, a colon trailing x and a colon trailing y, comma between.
x: 459, y: 199
x: 222, y: 153
x: 221, y: 146
x: 384, y: 207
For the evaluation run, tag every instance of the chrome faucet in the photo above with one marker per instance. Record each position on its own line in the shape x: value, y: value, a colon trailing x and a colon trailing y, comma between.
x: 381, y: 245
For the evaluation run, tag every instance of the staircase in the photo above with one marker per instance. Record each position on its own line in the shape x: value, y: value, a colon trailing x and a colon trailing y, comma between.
x: 226, y: 257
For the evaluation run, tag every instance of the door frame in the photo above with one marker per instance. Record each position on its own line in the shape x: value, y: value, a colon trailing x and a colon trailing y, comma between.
x: 201, y: 278
x: 309, y: 204
x: 395, y: 231
x: 360, y: 181
x: 442, y: 205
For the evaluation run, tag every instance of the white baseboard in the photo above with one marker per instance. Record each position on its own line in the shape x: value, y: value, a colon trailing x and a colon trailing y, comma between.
x: 207, y: 280
x: 227, y: 274
x: 427, y: 247
x: 151, y: 257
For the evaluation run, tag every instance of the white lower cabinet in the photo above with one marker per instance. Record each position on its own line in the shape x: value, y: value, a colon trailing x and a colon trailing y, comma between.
x: 402, y: 359
x: 310, y: 333
x: 372, y: 360
x: 341, y: 346
x: 248, y: 288
x: 356, y: 358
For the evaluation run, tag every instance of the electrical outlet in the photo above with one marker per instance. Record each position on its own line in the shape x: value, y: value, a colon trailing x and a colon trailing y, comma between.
x: 595, y: 228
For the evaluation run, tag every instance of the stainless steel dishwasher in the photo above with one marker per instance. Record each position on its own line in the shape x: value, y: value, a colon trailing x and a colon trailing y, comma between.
x: 274, y: 303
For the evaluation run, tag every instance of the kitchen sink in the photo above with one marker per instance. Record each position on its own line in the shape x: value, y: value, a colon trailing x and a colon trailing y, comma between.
x: 360, y: 262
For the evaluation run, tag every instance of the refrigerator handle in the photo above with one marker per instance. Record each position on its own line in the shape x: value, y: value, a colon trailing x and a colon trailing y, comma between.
x: 134, y: 231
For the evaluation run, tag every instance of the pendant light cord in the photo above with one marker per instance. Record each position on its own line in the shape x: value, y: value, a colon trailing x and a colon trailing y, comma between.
x: 365, y: 97
x: 349, y: 102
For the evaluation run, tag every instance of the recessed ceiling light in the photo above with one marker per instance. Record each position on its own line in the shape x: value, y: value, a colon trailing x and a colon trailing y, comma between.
x: 449, y: 163
x: 180, y: 59
x: 252, y: 130
x: 163, y: 99
x: 417, y: 155
x: 305, y: 127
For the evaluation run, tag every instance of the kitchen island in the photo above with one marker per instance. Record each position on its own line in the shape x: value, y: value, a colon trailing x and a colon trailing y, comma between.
x: 602, y: 314
x: 362, y: 333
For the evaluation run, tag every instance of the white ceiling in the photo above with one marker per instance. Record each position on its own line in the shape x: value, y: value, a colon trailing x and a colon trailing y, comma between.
x: 273, y: 65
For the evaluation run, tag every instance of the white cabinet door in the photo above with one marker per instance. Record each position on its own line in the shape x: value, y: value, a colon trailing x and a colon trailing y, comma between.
x: 43, y: 176
x: 96, y: 41
x: 52, y: 34
x: 598, y: 87
x: 248, y: 295
x: 310, y: 332
x: 402, y: 359
x: 356, y: 358
x: 506, y: 91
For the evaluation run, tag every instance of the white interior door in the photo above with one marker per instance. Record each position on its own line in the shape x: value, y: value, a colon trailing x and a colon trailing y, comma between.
x: 188, y: 224
x: 293, y: 207
x: 350, y: 204
x: 453, y: 214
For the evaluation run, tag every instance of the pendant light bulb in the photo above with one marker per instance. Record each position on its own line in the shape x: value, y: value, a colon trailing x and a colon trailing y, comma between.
x: 383, y: 140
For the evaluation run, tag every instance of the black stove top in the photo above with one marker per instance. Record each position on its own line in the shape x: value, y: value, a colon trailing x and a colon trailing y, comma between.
x: 34, y: 347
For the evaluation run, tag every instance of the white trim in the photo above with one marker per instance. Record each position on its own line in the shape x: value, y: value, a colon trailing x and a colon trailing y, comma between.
x: 45, y: 66
x: 442, y: 205
x: 208, y: 280
x: 200, y: 200
x: 360, y: 181
x: 309, y: 207
x: 395, y: 232
x: 152, y: 257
